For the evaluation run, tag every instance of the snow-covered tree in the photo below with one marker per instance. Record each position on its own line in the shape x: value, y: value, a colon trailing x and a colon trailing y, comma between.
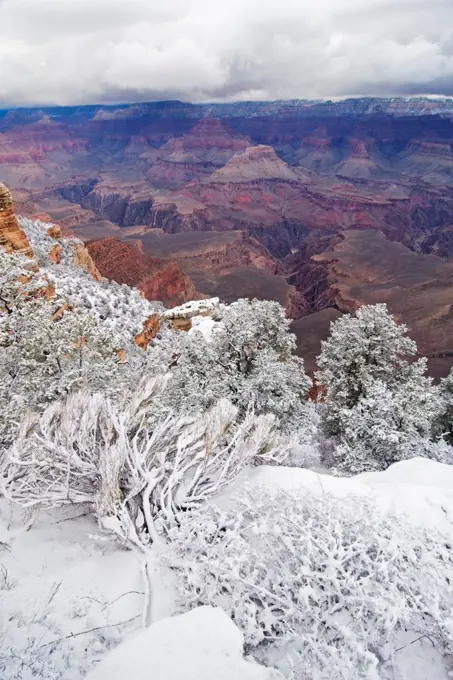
x: 330, y: 581
x: 377, y: 403
x: 248, y: 360
x: 389, y: 424
x: 444, y: 423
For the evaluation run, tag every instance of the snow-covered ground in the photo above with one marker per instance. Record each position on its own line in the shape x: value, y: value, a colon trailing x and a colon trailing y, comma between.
x: 203, y: 644
x: 69, y: 594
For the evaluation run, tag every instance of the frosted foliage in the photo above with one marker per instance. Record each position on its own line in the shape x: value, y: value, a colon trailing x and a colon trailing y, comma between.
x: 249, y: 360
x: 44, y: 359
x: 329, y: 581
x: 51, y: 347
x: 17, y: 281
x: 389, y: 425
x: 121, y: 309
x: 370, y: 345
x: 444, y: 423
x: 87, y: 449
x: 42, y: 243
x: 380, y: 406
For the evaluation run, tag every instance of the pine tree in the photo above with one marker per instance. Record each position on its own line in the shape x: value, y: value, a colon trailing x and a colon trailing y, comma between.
x: 249, y: 360
x: 378, y: 405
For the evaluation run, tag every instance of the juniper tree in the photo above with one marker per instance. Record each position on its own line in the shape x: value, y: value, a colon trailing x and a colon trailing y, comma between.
x: 380, y: 405
x: 249, y: 360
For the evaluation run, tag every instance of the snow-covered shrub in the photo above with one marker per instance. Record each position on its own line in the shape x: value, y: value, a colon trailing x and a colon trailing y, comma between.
x: 89, y: 449
x: 380, y: 406
x: 44, y: 358
x: 328, y: 581
x: 249, y: 360
x: 121, y: 309
x: 60, y: 330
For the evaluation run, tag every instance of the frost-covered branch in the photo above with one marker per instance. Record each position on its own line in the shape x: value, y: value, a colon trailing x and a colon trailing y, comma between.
x: 330, y: 580
x: 88, y: 449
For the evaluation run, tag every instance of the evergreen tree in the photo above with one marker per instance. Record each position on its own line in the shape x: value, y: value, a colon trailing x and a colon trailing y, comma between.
x: 248, y: 360
x: 378, y: 405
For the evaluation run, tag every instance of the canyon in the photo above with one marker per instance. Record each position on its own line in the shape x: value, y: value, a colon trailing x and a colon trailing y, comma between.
x: 322, y: 206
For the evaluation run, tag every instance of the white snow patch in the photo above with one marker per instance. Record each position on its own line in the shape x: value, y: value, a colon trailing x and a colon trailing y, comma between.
x: 64, y: 587
x: 419, y: 488
x: 204, y: 325
x: 203, y: 644
x: 193, y: 308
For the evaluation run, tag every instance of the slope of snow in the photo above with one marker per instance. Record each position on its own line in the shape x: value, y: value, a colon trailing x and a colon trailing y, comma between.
x: 420, y: 488
x: 203, y: 644
x: 69, y: 595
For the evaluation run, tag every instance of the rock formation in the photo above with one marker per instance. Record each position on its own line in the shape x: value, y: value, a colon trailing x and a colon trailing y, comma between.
x: 128, y: 263
x: 256, y: 163
x: 365, y: 268
x: 208, y: 146
x: 181, y: 317
x: 12, y: 238
x: 150, y: 329
x: 83, y: 259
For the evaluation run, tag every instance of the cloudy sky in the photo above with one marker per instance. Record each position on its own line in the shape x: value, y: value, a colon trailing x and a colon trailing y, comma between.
x: 83, y: 51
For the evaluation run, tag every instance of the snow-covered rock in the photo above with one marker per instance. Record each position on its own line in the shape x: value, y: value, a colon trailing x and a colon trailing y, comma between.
x: 194, y: 308
x: 203, y: 644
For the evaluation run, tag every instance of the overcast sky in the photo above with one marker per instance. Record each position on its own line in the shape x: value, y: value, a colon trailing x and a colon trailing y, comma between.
x: 86, y: 51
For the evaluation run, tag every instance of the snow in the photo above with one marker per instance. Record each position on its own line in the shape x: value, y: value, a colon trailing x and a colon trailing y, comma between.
x: 59, y: 578
x: 204, y: 325
x: 416, y: 471
x: 69, y: 595
x: 193, y: 308
x: 420, y: 488
x: 203, y: 644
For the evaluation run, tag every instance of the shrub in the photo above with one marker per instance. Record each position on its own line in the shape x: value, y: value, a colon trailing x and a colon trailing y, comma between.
x: 328, y: 581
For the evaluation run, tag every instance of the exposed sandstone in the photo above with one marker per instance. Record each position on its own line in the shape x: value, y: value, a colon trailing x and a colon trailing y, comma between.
x: 55, y: 253
x: 12, y: 238
x: 54, y: 231
x: 257, y: 162
x: 150, y: 330
x: 127, y: 263
x: 82, y: 259
x: 58, y: 314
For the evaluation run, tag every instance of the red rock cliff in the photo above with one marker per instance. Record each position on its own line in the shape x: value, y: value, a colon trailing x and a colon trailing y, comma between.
x: 127, y: 263
x: 12, y: 238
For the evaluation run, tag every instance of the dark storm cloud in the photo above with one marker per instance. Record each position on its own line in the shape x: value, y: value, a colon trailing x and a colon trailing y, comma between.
x: 75, y: 51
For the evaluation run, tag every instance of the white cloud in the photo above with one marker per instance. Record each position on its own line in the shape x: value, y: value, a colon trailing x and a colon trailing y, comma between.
x: 78, y: 51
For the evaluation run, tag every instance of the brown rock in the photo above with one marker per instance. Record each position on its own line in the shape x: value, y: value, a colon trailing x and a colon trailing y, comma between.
x: 150, y: 329
x: 60, y: 311
x: 82, y: 259
x: 55, y: 253
x: 47, y: 290
x: 54, y: 231
x: 180, y: 324
x: 12, y: 238
x: 128, y: 263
